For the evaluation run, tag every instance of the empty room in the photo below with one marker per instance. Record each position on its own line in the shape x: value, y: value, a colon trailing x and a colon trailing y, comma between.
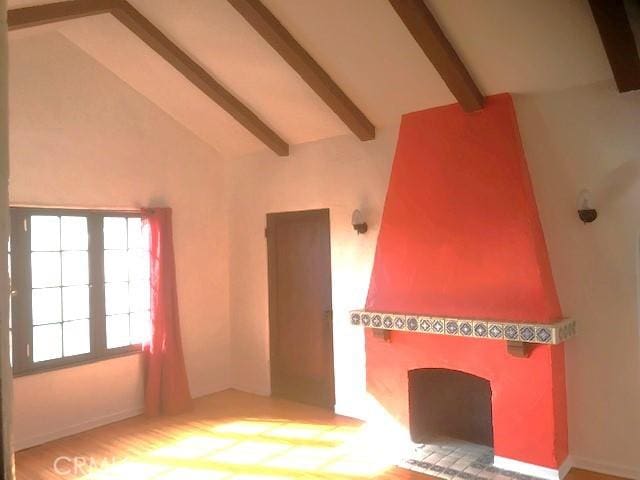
x: 320, y: 239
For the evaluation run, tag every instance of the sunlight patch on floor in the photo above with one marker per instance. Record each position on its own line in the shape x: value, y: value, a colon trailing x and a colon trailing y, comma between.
x: 257, y: 449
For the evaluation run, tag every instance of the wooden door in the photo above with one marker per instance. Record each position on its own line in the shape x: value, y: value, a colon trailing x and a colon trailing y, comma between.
x: 300, y: 317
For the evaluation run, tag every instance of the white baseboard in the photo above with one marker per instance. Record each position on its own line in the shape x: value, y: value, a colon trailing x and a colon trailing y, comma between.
x: 209, y: 390
x: 606, y: 468
x: 28, y: 442
x: 22, y: 443
x: 349, y: 411
x: 531, y: 469
x: 263, y: 391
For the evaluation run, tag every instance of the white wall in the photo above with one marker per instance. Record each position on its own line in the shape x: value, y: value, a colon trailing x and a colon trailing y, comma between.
x: 340, y: 174
x: 581, y: 137
x: 590, y: 138
x: 81, y: 137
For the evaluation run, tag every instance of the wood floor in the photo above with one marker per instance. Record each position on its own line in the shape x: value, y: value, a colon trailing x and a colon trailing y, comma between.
x: 229, y: 435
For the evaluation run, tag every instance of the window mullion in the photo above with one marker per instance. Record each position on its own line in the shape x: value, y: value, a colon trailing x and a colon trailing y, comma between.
x: 21, y: 285
x: 96, y: 272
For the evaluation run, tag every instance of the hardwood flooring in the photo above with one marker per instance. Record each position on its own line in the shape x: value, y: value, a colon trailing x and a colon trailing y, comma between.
x: 228, y: 435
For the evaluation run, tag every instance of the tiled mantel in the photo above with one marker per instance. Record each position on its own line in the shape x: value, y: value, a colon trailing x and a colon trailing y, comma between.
x: 550, y: 334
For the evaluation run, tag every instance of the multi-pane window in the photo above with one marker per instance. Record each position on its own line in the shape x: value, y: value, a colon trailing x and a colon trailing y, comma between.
x: 80, y: 284
x: 59, y: 286
x: 126, y: 276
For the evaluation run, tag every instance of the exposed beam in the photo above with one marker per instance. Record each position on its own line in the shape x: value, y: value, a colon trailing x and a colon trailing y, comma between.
x: 619, y: 42
x: 276, y: 35
x: 56, y: 12
x: 168, y: 50
x: 161, y: 44
x: 426, y: 31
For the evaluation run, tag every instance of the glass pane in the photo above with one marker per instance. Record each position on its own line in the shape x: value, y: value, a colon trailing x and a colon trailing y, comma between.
x: 74, y: 233
x: 140, y: 327
x: 75, y: 302
x: 75, y: 268
x: 139, y: 296
x: 115, y: 266
x: 116, y: 298
x: 76, y: 337
x: 138, y: 235
x: 47, y: 342
x: 46, y: 305
x: 45, y: 269
x: 139, y: 264
x: 45, y: 233
x: 115, y: 233
x: 117, y: 331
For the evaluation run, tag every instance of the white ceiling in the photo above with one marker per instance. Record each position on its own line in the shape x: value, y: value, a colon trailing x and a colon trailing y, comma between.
x: 519, y: 46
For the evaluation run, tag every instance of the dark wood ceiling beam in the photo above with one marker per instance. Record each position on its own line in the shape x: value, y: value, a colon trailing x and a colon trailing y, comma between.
x: 197, y: 75
x: 276, y: 35
x: 161, y: 44
x: 618, y: 41
x: 56, y: 12
x: 427, y: 33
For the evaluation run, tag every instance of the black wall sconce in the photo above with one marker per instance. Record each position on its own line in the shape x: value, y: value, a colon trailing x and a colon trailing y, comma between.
x: 358, y: 223
x: 586, y: 212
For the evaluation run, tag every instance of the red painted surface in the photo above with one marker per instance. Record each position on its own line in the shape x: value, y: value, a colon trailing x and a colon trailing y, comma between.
x: 461, y: 237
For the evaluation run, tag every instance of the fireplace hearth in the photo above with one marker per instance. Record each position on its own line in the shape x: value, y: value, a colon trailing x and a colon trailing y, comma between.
x: 450, y: 458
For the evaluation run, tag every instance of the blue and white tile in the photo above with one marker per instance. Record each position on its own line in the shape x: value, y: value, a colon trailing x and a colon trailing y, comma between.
x: 424, y: 324
x: 437, y: 325
x: 399, y: 322
x: 466, y: 328
x: 387, y: 321
x: 527, y: 333
x: 511, y: 332
x: 412, y: 323
x: 452, y: 327
x: 544, y: 334
x: 480, y: 329
x: 496, y: 331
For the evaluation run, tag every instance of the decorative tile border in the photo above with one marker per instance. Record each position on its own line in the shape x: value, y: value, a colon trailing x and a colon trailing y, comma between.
x: 550, y: 334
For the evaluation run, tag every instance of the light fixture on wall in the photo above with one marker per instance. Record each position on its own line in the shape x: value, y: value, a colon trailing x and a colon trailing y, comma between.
x: 586, y: 212
x: 359, y: 225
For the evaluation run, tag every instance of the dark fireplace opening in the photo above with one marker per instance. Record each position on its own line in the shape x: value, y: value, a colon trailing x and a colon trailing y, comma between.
x: 449, y: 403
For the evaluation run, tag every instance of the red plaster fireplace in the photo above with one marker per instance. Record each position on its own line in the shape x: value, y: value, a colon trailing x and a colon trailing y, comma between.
x: 461, y: 239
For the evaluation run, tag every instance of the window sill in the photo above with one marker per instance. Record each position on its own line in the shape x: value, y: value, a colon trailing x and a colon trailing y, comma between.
x: 87, y: 360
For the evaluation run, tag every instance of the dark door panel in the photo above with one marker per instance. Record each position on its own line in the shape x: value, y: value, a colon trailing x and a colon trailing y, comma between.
x: 300, y: 320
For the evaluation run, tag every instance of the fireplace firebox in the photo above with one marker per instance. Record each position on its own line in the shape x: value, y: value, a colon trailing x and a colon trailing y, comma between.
x: 449, y: 403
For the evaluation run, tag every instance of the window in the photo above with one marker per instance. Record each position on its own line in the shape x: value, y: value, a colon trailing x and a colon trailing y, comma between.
x: 80, y: 286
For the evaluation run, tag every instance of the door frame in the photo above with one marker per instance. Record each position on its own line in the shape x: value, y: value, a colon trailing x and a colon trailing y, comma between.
x: 272, y: 221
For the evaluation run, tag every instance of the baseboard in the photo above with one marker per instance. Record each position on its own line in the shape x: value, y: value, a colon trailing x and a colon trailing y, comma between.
x: 261, y: 391
x: 21, y: 444
x: 531, y: 469
x: 349, y: 411
x: 606, y: 468
x: 203, y: 392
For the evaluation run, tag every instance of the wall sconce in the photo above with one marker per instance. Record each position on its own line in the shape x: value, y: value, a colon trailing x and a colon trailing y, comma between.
x: 359, y: 225
x: 586, y: 212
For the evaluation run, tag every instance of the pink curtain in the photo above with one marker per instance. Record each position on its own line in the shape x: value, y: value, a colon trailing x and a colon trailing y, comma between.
x: 166, y: 389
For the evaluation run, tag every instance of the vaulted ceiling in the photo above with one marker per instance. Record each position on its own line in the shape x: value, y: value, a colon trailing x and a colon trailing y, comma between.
x: 519, y: 46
